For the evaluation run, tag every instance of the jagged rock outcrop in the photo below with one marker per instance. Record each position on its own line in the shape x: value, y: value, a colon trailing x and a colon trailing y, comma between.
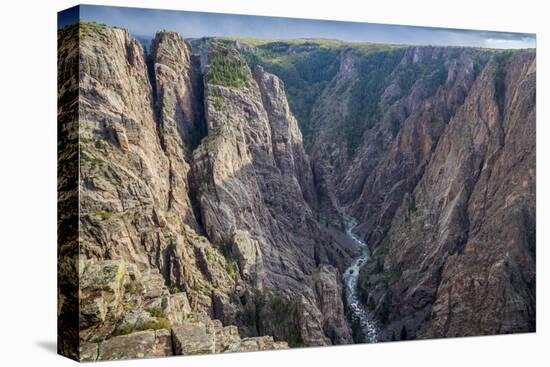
x: 248, y: 254
x: 256, y: 178
x: 211, y: 337
x: 288, y: 149
x: 177, y: 90
x: 135, y: 197
x: 328, y: 288
x: 498, y: 258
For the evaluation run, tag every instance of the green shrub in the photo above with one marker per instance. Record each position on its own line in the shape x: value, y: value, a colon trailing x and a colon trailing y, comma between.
x: 197, y: 288
x: 89, y: 28
x: 231, y: 268
x: 159, y: 323
x: 226, y: 249
x: 218, y: 103
x: 100, y: 144
x: 124, y: 330
x: 102, y: 215
x: 85, y: 139
x: 372, y: 276
x: 271, y: 313
x: 86, y: 158
x: 363, y: 284
x: 155, y: 311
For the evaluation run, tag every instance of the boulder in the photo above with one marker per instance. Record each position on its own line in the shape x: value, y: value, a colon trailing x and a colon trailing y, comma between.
x: 192, y: 338
x: 141, y: 344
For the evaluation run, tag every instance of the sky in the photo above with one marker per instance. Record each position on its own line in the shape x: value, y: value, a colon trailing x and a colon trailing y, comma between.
x: 146, y: 22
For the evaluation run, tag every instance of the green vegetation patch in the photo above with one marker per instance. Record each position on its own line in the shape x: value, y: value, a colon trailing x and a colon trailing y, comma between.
x: 363, y: 110
x: 89, y: 29
x: 85, y: 139
x: 218, y: 102
x: 227, y: 68
x: 124, y: 330
x: 87, y: 158
x: 160, y: 323
x: 155, y: 311
x: 305, y: 67
x: 201, y: 289
x: 231, y: 266
x: 102, y: 215
x: 101, y: 143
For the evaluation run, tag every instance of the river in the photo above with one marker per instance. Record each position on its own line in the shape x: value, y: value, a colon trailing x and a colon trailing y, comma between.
x: 360, y: 313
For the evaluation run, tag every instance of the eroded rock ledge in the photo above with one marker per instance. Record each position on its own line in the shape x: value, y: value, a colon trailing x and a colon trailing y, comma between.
x: 127, y: 313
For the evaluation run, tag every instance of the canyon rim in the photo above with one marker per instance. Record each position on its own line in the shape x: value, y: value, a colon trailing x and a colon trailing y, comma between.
x: 219, y: 192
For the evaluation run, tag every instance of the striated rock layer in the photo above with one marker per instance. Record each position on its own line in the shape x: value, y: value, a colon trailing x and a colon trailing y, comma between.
x: 462, y: 243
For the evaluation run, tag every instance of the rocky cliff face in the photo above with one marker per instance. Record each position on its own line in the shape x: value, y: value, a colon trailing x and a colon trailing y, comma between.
x: 432, y: 150
x: 204, y: 181
x: 256, y: 182
x: 379, y: 148
x: 135, y: 194
x: 207, y: 226
x: 461, y: 247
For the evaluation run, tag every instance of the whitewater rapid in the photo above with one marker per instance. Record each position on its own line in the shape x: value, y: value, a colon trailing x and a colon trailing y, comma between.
x: 360, y: 313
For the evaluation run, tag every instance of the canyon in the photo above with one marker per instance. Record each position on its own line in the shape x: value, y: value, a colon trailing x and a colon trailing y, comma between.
x: 207, y: 187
